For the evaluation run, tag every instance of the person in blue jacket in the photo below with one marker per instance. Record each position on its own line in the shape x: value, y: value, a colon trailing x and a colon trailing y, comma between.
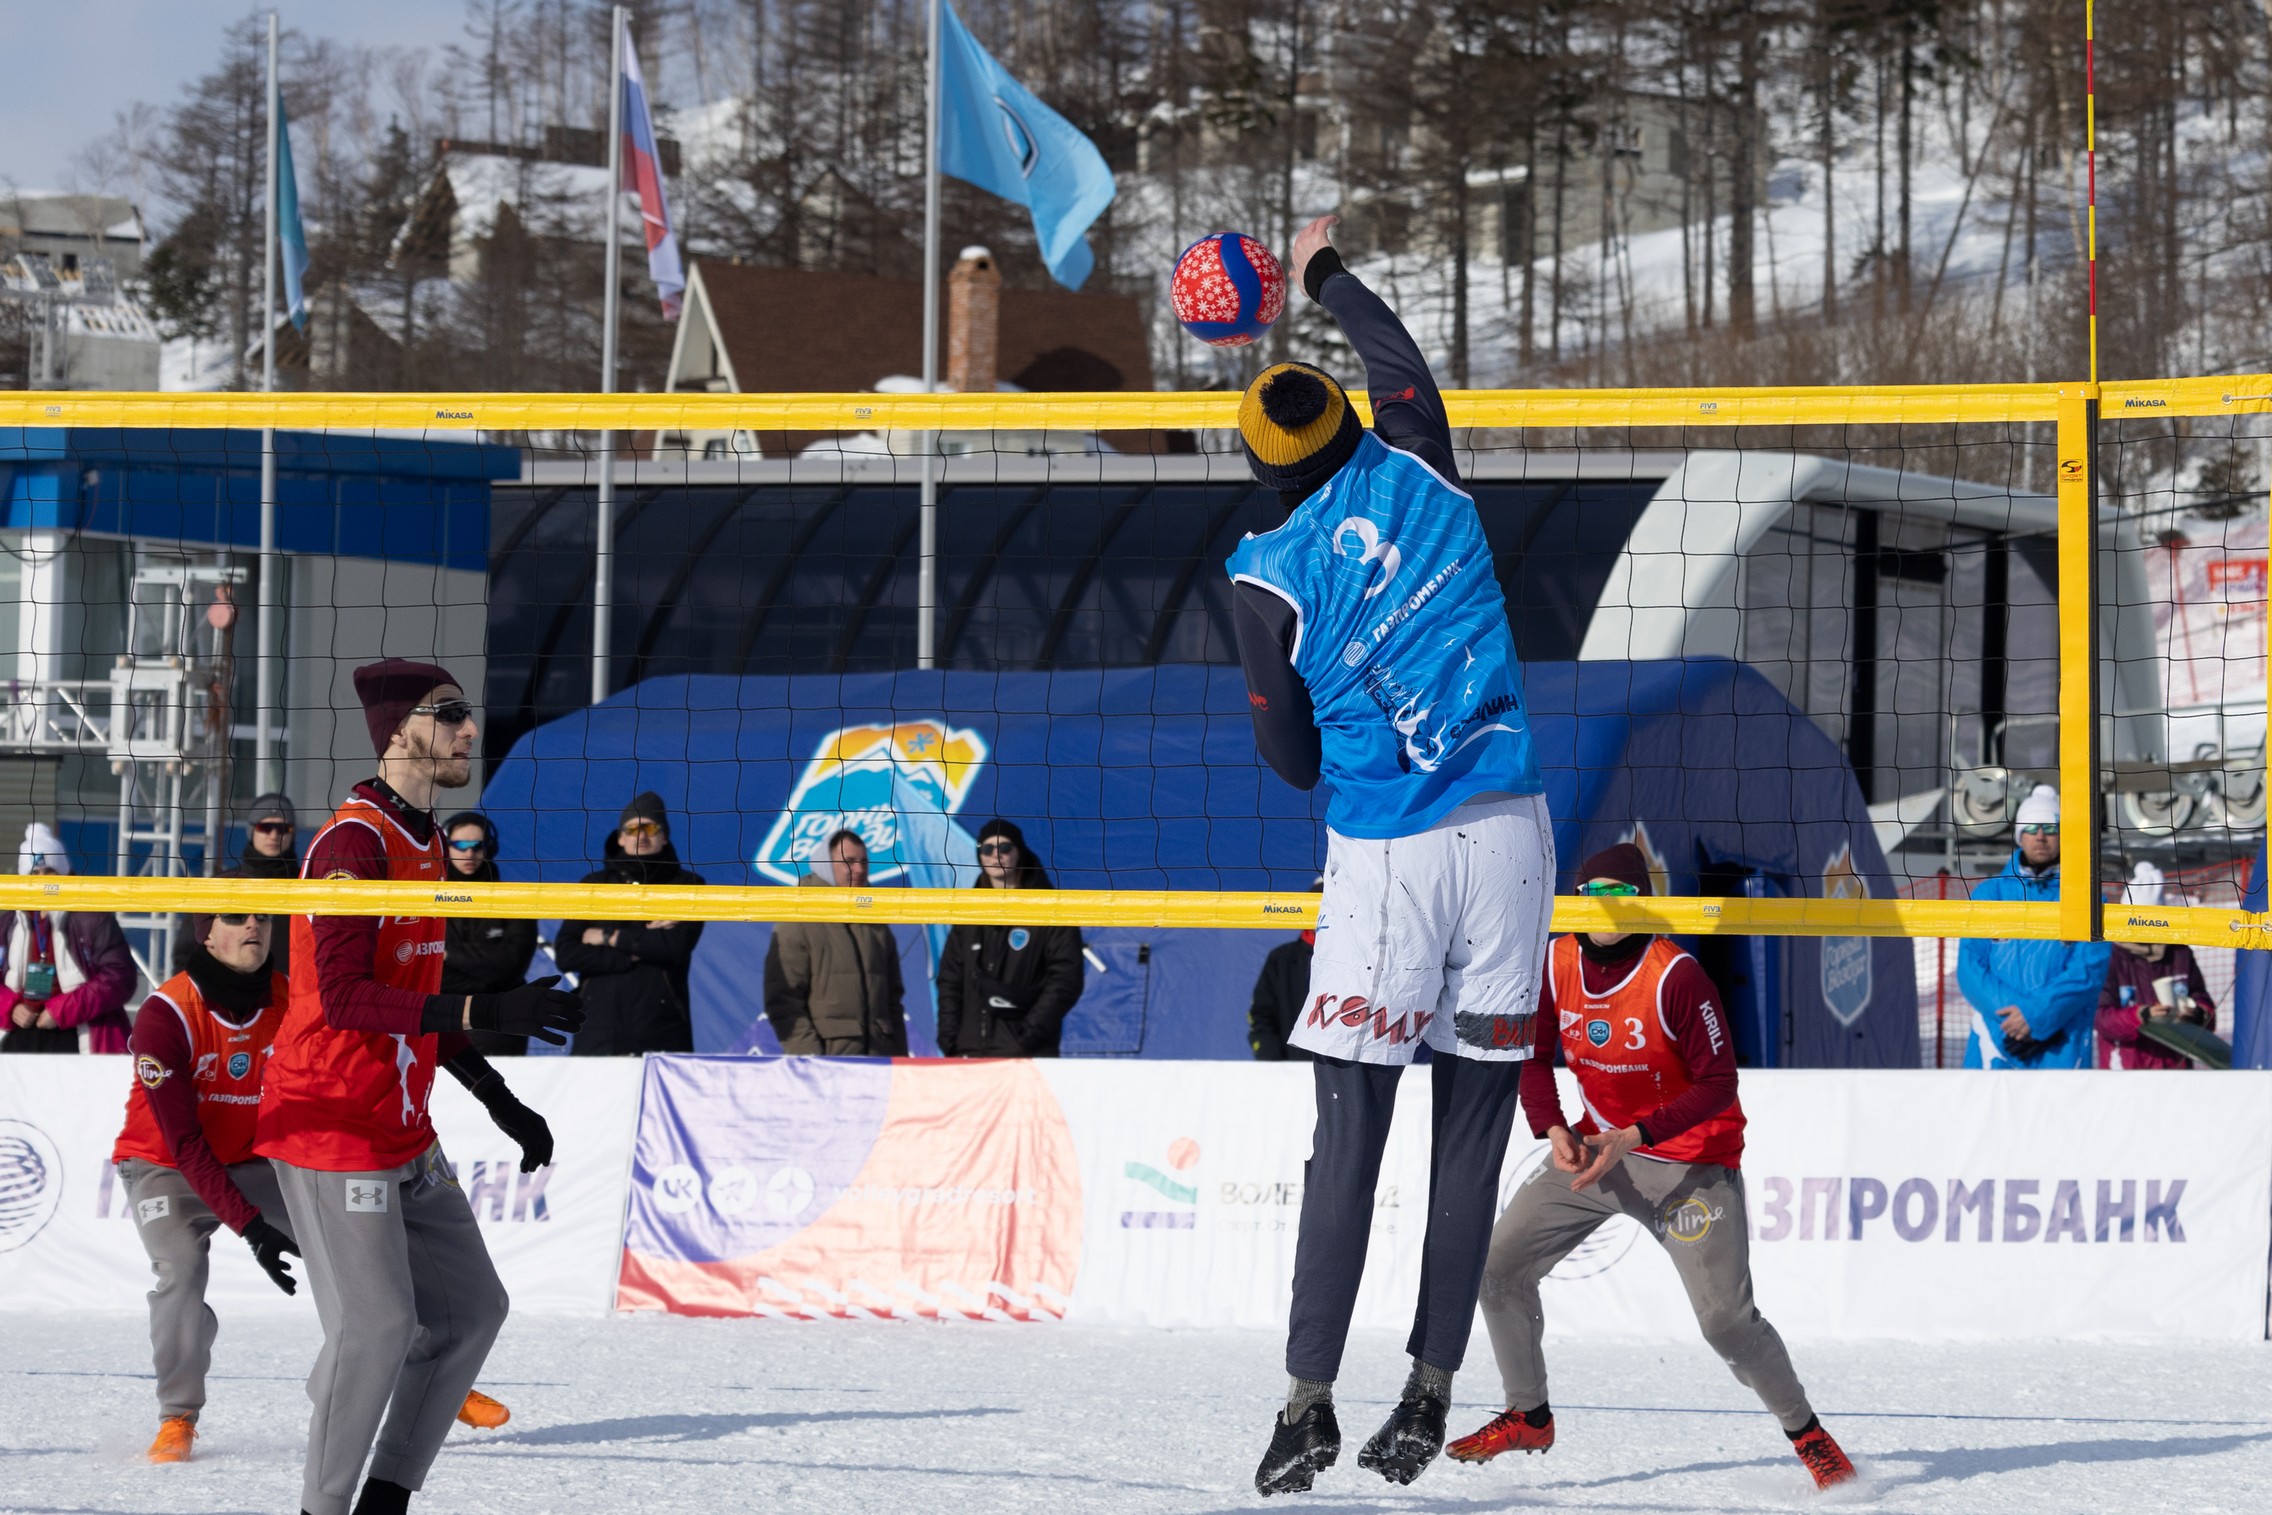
x: 2032, y: 1001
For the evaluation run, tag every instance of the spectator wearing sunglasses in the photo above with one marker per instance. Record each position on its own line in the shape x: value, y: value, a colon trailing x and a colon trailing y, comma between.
x: 272, y: 837
x: 1004, y: 991
x: 484, y: 956
x: 68, y: 973
x: 2032, y: 1002
x: 634, y: 972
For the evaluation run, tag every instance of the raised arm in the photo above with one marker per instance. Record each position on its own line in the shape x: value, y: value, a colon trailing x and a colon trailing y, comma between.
x: 1408, y: 410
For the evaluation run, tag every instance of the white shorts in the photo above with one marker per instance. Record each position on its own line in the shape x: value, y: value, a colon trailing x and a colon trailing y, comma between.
x: 1438, y: 937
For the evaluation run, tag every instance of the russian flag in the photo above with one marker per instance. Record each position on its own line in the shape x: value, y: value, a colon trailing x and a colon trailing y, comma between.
x: 643, y: 177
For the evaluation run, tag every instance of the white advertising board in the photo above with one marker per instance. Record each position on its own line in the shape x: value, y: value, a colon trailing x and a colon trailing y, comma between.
x: 67, y: 1241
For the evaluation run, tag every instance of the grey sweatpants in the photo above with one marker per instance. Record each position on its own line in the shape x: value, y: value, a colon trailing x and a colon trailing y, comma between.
x: 410, y: 1304
x: 177, y: 1229
x: 1696, y: 1212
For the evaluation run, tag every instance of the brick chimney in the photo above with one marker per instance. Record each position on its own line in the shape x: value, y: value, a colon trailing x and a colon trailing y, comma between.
x: 974, y: 306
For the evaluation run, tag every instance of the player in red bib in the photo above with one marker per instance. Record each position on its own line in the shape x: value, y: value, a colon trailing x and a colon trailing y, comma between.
x: 409, y: 1299
x: 200, y: 1046
x: 1660, y: 1141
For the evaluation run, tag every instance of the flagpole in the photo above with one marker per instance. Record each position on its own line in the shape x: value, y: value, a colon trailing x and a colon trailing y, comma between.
x: 264, y: 668
x: 927, y: 571
x: 603, y: 557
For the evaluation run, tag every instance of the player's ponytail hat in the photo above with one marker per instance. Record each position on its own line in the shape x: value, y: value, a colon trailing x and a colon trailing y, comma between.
x: 1299, y: 427
x: 389, y: 689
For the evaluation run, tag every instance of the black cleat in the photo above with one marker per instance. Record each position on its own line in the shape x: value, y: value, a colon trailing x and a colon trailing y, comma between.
x: 1408, y: 1440
x: 1299, y: 1452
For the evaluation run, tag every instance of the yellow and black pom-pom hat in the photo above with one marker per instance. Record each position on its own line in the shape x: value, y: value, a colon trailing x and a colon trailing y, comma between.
x: 1299, y: 428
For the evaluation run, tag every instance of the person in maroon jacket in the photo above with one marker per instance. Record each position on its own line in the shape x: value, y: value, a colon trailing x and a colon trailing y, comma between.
x: 2129, y: 997
x: 65, y: 972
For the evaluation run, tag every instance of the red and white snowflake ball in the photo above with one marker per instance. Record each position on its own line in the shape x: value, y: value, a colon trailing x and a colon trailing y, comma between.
x: 1227, y: 289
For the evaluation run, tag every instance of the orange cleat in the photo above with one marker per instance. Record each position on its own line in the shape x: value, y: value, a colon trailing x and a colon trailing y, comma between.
x: 481, y: 1411
x: 1506, y: 1431
x: 175, y: 1433
x: 1824, y: 1458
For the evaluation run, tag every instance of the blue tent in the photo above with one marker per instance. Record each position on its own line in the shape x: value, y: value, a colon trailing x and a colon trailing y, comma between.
x: 1147, y: 778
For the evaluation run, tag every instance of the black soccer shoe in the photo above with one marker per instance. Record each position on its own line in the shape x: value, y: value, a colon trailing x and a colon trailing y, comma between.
x: 1299, y: 1452
x: 1408, y: 1440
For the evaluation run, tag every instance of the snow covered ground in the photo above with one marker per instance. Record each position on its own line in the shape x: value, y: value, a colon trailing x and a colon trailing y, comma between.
x: 638, y: 1413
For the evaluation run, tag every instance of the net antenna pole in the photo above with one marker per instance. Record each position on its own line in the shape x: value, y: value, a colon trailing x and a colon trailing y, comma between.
x: 264, y: 658
x: 927, y: 565
x: 2090, y: 169
x: 603, y: 551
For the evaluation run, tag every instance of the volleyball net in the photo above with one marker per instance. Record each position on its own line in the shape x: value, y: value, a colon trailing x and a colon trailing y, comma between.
x: 1810, y: 649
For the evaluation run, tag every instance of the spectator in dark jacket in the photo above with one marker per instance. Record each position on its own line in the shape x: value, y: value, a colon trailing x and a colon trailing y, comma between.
x: 483, y: 956
x: 1004, y: 991
x: 64, y: 970
x: 634, y: 973
x: 272, y: 850
x: 833, y: 988
x: 1279, y: 991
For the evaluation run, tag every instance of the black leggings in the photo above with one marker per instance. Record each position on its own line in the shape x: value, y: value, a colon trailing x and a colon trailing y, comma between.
x: 1473, y: 1113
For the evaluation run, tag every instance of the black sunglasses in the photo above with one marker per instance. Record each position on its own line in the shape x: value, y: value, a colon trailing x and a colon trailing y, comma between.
x: 237, y: 920
x: 274, y: 828
x: 447, y: 713
x: 997, y: 849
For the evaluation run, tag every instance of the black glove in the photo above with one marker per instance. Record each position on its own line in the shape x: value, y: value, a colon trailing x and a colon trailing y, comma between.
x: 517, y: 1121
x: 534, y: 1009
x: 269, y: 1246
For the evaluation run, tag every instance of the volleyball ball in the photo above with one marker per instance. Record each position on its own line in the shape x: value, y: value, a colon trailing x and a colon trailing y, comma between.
x: 1227, y: 289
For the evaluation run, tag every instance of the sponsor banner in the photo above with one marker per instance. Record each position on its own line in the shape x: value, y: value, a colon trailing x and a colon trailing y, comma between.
x: 1885, y: 1204
x: 67, y: 1238
x: 810, y: 1187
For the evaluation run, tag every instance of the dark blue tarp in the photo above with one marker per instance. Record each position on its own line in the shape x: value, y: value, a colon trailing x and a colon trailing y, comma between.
x: 1148, y: 778
x: 2252, y: 987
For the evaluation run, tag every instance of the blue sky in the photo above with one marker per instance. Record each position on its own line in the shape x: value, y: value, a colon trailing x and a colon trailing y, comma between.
x: 71, y: 67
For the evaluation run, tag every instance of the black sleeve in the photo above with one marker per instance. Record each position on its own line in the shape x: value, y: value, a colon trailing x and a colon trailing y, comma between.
x: 575, y: 955
x: 1063, y: 976
x: 1285, y: 725
x: 951, y: 957
x: 1266, y: 1019
x: 1408, y: 411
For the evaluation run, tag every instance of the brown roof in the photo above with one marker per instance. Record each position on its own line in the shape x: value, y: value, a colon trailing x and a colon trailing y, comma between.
x: 788, y: 330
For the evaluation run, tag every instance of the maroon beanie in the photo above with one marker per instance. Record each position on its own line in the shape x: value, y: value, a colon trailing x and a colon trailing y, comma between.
x: 1622, y: 862
x: 389, y: 689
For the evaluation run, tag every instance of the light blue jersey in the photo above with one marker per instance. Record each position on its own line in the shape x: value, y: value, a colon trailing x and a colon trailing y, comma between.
x: 1401, y: 637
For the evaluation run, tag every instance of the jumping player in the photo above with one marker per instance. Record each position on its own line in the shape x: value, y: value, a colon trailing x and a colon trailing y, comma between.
x: 201, y: 1044
x: 1378, y: 658
x: 408, y: 1297
x: 1660, y: 1140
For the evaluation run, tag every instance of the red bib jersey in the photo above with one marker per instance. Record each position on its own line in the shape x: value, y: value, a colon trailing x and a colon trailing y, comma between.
x: 227, y: 1076
x: 355, y: 1101
x: 1626, y: 1053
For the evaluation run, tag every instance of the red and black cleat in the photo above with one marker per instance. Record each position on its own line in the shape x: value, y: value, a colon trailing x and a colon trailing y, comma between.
x: 1508, y: 1431
x: 1824, y: 1458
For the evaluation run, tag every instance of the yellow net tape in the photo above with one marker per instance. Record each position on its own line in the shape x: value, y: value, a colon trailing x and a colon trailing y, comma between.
x: 2063, y: 405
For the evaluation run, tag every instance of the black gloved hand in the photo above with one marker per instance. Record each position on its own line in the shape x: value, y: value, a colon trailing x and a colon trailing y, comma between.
x: 534, y: 1009
x: 268, y: 1247
x: 518, y: 1121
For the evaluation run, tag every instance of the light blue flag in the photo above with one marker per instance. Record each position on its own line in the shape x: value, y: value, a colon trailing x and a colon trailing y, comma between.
x: 993, y: 133
x: 292, y: 237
